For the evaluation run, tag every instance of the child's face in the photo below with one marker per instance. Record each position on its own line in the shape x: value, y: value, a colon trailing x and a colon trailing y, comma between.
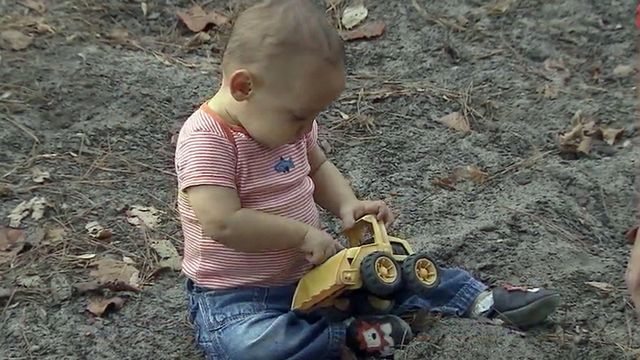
x: 286, y: 98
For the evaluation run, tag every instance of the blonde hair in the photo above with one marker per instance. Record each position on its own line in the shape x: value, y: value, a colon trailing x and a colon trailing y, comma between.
x: 281, y: 27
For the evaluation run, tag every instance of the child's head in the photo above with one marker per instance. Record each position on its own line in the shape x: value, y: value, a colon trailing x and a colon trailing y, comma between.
x: 283, y: 64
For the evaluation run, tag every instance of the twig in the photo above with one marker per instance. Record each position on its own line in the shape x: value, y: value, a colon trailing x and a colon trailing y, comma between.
x: 21, y: 127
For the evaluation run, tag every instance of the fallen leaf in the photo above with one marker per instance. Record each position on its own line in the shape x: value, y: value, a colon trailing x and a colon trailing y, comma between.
x: 36, y: 206
x: 98, y: 231
x: 447, y: 183
x: 623, y: 70
x: 456, y: 121
x: 34, y: 5
x: 606, y: 287
x: 199, y: 39
x: 119, y: 34
x: 9, y: 237
x: 169, y: 257
x: 472, y: 173
x: 354, y: 15
x: 584, y: 147
x: 366, y: 31
x: 55, y: 235
x: 39, y: 176
x: 143, y: 215
x: 197, y: 19
x: 42, y: 28
x: 116, y: 275
x: 145, y: 8
x: 550, y: 91
x: 29, y: 281
x: 610, y: 135
x: 15, y: 40
x: 100, y: 306
x: 499, y: 7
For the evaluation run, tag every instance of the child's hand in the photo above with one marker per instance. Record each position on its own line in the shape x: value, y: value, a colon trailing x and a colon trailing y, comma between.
x: 352, y: 211
x: 319, y: 246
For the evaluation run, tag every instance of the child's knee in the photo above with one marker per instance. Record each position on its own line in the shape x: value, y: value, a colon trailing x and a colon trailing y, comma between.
x: 270, y: 335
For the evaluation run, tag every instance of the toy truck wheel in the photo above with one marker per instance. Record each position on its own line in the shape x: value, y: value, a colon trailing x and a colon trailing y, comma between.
x: 381, y: 274
x: 420, y: 273
x: 365, y: 303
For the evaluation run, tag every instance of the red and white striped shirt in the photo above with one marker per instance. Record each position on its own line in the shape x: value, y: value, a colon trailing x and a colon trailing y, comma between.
x: 276, y: 181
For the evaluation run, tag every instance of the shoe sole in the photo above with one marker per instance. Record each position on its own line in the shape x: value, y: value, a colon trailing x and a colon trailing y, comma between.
x: 532, y: 314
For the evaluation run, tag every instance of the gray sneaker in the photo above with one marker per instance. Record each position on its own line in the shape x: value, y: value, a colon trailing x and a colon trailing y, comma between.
x: 521, y: 306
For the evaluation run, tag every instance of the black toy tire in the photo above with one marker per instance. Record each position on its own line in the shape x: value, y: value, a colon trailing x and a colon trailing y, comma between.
x: 364, y: 303
x: 372, y: 281
x: 410, y: 277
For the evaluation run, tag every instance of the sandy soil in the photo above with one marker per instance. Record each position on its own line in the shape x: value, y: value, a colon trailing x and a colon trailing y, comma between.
x: 97, y: 110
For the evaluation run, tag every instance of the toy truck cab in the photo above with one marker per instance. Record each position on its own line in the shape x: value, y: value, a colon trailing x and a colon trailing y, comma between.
x: 380, y: 265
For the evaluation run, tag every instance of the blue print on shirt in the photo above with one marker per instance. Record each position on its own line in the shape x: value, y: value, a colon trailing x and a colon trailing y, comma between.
x: 284, y: 165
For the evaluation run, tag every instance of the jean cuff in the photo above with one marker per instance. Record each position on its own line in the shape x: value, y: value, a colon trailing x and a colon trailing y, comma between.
x: 466, y: 296
x: 337, y: 340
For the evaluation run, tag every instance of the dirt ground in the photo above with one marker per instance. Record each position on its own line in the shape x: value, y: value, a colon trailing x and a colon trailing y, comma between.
x: 95, y: 107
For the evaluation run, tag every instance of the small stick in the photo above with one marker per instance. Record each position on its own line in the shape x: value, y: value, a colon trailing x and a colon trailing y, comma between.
x: 21, y: 127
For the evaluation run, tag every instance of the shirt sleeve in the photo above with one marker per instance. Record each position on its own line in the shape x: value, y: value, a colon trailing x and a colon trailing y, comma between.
x: 206, y: 158
x: 311, y: 138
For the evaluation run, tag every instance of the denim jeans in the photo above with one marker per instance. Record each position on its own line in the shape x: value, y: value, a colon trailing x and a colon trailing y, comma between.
x: 257, y: 323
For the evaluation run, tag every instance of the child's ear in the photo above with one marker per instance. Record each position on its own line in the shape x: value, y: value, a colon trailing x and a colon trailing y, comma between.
x: 241, y: 84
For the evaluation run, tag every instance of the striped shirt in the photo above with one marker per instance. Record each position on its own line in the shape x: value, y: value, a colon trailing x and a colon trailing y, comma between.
x: 276, y: 181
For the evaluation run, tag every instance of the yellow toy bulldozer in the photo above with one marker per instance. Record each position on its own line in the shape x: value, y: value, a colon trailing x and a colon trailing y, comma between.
x: 379, y: 267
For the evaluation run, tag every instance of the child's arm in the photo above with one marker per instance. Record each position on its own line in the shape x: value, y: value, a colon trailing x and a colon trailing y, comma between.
x: 219, y: 211
x: 333, y: 192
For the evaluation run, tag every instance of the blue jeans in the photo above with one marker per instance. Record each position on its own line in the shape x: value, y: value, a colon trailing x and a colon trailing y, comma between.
x: 257, y: 323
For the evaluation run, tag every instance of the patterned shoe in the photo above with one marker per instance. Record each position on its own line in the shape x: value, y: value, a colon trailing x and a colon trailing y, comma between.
x: 377, y: 335
x: 521, y: 306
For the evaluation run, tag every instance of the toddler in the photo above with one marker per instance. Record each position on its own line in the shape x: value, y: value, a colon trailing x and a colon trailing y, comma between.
x: 250, y: 174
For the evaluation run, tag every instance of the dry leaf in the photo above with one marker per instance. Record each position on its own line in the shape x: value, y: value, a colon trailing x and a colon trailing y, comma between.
x: 141, y: 215
x: 10, y: 237
x: 145, y: 8
x: 447, y: 183
x: 99, y: 306
x: 98, y: 231
x: 168, y: 254
x: 39, y: 176
x: 472, y: 173
x: 196, y: 19
x: 119, y: 34
x: 44, y: 28
x: 353, y: 15
x: 623, y: 70
x: 199, y: 39
x: 611, y: 135
x: 35, y: 5
x: 116, y: 275
x: 550, y: 91
x: 606, y: 287
x: 36, y: 206
x: 456, y: 121
x: 498, y: 7
x: 366, y: 31
x: 584, y: 147
x: 55, y: 235
x: 15, y: 40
